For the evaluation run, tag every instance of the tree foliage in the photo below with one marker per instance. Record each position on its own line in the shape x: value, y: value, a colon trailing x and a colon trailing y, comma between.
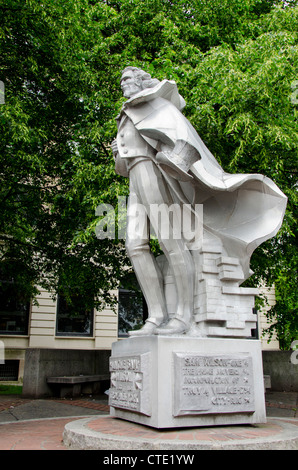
x: 60, y: 60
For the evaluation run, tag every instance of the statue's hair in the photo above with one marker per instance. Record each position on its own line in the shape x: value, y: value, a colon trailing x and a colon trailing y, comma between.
x: 146, y: 80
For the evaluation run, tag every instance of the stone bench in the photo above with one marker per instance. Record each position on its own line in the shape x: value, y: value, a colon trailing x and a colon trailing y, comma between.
x: 73, y: 385
x: 267, y: 381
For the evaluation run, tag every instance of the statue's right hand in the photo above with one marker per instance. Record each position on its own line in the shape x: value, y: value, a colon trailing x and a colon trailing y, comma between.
x: 114, y: 147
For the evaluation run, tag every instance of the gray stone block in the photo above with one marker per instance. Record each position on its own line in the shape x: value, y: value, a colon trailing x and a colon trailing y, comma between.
x: 187, y: 381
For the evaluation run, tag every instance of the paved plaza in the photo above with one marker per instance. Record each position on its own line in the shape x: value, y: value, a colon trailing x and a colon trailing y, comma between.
x: 39, y: 424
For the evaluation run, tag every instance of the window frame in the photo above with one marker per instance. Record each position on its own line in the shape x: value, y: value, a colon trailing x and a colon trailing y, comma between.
x: 70, y: 333
x: 26, y: 315
x: 144, y: 307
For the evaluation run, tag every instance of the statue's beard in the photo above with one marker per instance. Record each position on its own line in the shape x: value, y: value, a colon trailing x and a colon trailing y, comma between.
x: 130, y: 91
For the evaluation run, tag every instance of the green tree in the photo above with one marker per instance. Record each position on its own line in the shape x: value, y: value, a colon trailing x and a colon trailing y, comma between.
x: 60, y: 60
x: 248, y: 118
x: 55, y: 163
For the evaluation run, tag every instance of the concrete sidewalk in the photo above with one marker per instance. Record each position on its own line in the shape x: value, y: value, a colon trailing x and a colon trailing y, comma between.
x: 38, y: 424
x: 16, y: 408
x: 282, y: 404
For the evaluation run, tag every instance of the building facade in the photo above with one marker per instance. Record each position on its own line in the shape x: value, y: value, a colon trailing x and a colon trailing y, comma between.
x: 45, y: 325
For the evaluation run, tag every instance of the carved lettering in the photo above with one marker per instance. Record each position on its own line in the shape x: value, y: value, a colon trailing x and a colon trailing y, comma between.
x: 124, y: 364
x: 130, y: 388
x: 213, y: 384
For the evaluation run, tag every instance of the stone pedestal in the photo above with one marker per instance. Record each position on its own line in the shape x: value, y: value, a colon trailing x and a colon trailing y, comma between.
x: 176, y: 381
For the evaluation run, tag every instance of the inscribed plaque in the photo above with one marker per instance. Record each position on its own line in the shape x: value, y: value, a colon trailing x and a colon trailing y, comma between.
x: 213, y: 383
x: 130, y: 383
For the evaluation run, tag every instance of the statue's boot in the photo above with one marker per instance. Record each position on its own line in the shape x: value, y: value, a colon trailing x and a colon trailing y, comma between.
x: 148, y: 329
x: 174, y: 326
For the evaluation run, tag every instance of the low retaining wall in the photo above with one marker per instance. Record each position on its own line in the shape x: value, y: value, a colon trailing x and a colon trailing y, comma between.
x: 43, y: 363
x: 282, y: 370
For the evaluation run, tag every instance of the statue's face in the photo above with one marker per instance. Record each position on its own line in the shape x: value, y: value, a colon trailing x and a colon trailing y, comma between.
x: 129, y: 84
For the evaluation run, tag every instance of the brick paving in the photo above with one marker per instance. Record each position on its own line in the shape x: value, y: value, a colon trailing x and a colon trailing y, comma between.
x: 8, y: 402
x: 283, y: 406
x: 115, y: 427
x: 39, y: 434
x: 86, y: 404
x: 34, y: 435
x: 46, y: 434
x: 116, y: 434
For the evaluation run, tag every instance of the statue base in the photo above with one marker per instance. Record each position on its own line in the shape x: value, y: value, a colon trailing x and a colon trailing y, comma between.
x: 182, y: 381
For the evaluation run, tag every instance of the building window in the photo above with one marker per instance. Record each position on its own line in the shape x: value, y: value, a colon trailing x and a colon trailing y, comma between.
x: 72, y: 318
x: 9, y: 371
x: 132, y: 307
x: 14, y: 310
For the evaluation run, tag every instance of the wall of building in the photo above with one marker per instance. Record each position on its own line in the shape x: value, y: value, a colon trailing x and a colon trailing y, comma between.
x: 42, y: 331
x: 42, y: 335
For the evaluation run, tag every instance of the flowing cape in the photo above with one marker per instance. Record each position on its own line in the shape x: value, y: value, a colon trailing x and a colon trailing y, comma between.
x: 242, y: 210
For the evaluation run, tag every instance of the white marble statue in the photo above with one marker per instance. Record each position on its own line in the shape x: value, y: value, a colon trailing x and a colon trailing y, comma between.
x: 167, y: 163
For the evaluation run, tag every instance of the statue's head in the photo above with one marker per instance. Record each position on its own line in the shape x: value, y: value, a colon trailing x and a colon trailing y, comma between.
x: 134, y: 80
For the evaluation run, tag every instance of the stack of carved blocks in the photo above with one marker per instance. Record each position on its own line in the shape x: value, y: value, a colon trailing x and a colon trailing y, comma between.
x: 221, y: 307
